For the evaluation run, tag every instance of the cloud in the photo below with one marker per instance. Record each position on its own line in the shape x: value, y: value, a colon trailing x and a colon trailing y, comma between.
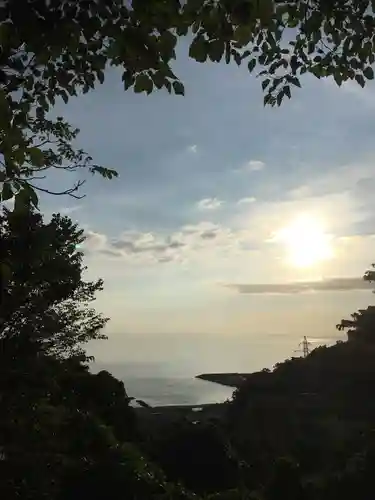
x: 209, y: 204
x: 249, y: 199
x: 365, y: 96
x: 191, y: 242
x: 254, y: 165
x: 145, y: 243
x: 193, y: 148
x: 326, y: 285
x: 134, y: 246
x: 69, y: 210
x: 94, y: 242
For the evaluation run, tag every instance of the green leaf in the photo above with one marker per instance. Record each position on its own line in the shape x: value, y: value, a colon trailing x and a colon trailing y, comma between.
x: 294, y: 63
x: 359, y: 79
x: 128, y: 79
x: 143, y: 84
x: 22, y: 201
x: 267, y: 99
x: 227, y: 53
x: 33, y: 197
x: 310, y: 47
x: 247, y: 53
x: 293, y: 80
x: 167, y: 42
x: 198, y: 49
x: 178, y: 88
x: 107, y: 173
x: 237, y: 57
x: 252, y: 65
x: 242, y: 35
x: 265, y: 83
x: 216, y: 50
x: 100, y: 75
x: 369, y: 73
x: 338, y: 78
x: 158, y: 79
x: 287, y: 91
x: 7, y: 192
x: 36, y: 156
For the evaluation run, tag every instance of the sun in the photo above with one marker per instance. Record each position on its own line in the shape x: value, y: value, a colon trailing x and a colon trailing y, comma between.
x: 305, y: 241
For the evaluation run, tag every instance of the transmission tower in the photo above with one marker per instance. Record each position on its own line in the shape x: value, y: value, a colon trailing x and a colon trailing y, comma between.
x: 304, y: 347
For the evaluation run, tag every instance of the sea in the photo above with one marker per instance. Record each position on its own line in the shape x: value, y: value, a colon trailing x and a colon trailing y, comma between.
x: 161, y: 369
x: 176, y: 391
x: 165, y: 390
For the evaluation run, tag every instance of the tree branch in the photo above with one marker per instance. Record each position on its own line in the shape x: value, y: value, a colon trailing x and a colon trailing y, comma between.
x: 69, y: 192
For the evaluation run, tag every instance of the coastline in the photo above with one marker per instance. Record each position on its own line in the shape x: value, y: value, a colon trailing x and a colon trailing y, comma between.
x: 165, y: 414
x: 234, y: 380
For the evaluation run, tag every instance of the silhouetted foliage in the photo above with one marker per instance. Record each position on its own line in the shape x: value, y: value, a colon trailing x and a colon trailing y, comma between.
x: 59, y: 48
x: 64, y: 432
x: 361, y: 326
x: 197, y: 455
x: 46, y: 302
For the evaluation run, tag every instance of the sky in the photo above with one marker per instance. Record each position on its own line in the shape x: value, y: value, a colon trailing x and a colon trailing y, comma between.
x: 232, y: 229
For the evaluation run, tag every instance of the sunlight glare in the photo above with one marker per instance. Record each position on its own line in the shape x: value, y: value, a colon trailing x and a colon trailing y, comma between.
x: 306, y: 242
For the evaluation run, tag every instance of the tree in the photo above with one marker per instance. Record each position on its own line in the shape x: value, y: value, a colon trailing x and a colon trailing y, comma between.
x: 63, y: 430
x: 56, y: 444
x: 197, y: 455
x: 361, y: 326
x: 62, y: 47
x: 46, y: 301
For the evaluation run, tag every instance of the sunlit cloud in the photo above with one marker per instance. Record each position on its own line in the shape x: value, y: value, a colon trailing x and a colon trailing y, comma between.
x: 191, y: 242
x: 327, y: 285
x: 245, y: 201
x: 95, y: 241
x: 209, y: 204
x: 254, y: 165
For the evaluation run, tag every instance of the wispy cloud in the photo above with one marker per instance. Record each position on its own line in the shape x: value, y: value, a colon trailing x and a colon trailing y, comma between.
x: 326, y: 285
x: 193, y: 148
x: 245, y: 201
x: 254, y: 165
x: 94, y: 242
x: 188, y: 243
x: 209, y: 204
x: 70, y: 210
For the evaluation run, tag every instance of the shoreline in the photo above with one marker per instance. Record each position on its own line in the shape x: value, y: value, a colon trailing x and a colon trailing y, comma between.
x: 234, y: 380
x: 198, y: 411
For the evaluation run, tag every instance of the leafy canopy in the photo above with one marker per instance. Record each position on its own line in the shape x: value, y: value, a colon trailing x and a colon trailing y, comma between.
x: 46, y: 302
x: 65, y: 433
x: 361, y: 325
x: 59, y: 48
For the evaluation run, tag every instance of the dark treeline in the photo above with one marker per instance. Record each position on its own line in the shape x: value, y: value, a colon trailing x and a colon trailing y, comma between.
x: 301, y: 431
